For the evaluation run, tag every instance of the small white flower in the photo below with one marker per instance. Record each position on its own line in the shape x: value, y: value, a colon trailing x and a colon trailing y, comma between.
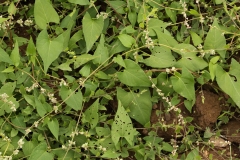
x: 28, y: 130
x: 71, y: 143
x: 81, y: 132
x: 15, y: 152
x: 43, y: 90
x: 55, y: 108
x: 4, y: 96
x: 20, y: 22
x: 64, y: 147
x: 13, y: 109
x: 85, y: 146
x: 104, y: 149
x: 20, y: 143
x: 36, y: 124
x: 168, y: 70
x: 53, y: 100
x: 63, y: 83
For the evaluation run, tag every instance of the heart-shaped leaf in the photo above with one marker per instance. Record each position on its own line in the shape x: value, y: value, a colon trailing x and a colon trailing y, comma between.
x: 92, y: 28
x: 71, y: 98
x: 44, y: 13
x: 122, y: 126
x: 48, y: 49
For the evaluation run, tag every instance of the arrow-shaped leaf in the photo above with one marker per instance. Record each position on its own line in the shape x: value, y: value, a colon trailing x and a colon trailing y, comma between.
x: 48, y: 49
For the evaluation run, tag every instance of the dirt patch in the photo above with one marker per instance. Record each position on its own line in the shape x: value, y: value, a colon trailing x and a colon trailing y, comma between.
x: 205, y: 114
x: 231, y: 131
x: 207, y: 109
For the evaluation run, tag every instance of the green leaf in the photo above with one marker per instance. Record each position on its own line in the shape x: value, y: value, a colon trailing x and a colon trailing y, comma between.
x: 70, y: 20
x: 74, y: 39
x: 8, y: 88
x: 28, y: 147
x: 171, y: 14
x: 101, y: 52
x: 119, y: 60
x: 71, y: 98
x: 194, y: 154
x: 4, y: 57
x: 12, y: 9
x: 167, y: 147
x: 156, y: 24
x: 122, y: 126
x: 31, y: 51
x: 215, y: 40
x: 82, y: 59
x: 54, y: 127
x: 184, y: 85
x: 118, y: 6
x: 133, y: 75
x: 117, y: 47
x: 126, y: 40
x: 196, y: 39
x: 40, y: 153
x: 219, y: 1
x: 132, y: 16
x: 165, y: 39
x: 189, y: 59
x: 3, y: 20
x: 40, y: 107
x: 8, y: 70
x: 138, y: 104
x: 65, y: 66
x: 229, y: 82
x: 48, y: 49
x: 15, y: 56
x: 19, y: 121
x: 91, y: 114
x: 92, y: 28
x: 213, y: 66
x: 44, y: 13
x: 161, y: 57
x: 193, y: 12
x: 110, y: 154
x: 80, y: 2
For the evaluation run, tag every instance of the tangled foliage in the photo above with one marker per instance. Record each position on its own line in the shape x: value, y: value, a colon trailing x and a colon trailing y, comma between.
x: 79, y: 78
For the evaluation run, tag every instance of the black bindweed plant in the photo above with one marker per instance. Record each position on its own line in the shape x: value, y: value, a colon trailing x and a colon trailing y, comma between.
x: 79, y: 79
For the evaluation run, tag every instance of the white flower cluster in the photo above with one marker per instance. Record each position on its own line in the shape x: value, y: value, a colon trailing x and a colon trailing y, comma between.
x: 166, y: 99
x: 184, y: 5
x: 28, y: 131
x: 63, y: 83
x: 52, y: 98
x: 4, y: 97
x: 34, y: 85
x: 103, y: 14
x: 175, y: 146
x: 6, y: 24
x: 149, y: 42
x: 4, y: 137
x: 85, y: 146
x: 168, y: 70
x: 27, y: 22
x: 20, y: 143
